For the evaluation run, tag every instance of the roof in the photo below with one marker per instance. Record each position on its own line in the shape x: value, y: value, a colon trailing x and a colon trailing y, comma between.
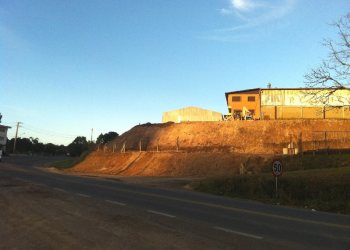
x: 260, y: 89
x: 191, y: 107
x: 241, y: 91
x: 4, y: 126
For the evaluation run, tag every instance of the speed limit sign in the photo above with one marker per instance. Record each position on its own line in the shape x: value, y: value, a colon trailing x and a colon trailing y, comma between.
x: 277, y: 168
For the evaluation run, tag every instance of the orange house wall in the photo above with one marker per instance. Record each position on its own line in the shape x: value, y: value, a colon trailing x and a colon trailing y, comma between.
x: 244, y: 103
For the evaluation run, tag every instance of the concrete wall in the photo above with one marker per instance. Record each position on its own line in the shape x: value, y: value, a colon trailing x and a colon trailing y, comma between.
x: 191, y: 114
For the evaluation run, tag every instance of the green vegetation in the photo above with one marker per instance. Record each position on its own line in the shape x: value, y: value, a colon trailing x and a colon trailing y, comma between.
x: 34, y: 146
x: 107, y: 137
x: 79, y: 148
x: 321, y: 189
x: 69, y: 161
x: 310, y: 161
x: 75, y: 149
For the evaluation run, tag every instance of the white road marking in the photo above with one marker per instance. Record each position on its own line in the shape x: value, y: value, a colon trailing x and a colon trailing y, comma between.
x: 160, y: 213
x: 239, y: 233
x: 116, y: 202
x: 83, y: 195
x: 61, y: 190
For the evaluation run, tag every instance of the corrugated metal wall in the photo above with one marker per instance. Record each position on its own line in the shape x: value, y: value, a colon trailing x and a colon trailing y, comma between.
x: 304, y: 97
x: 304, y: 104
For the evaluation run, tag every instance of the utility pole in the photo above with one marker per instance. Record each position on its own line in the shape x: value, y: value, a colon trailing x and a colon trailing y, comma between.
x: 14, y: 143
x: 92, y: 131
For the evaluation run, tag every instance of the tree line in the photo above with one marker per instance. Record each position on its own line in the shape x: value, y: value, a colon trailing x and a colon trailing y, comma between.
x: 79, y: 145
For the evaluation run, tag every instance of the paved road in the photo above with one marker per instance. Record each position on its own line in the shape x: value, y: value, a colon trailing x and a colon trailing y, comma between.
x: 254, y: 225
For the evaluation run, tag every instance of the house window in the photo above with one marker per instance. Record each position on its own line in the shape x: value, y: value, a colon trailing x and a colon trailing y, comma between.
x: 229, y: 110
x: 251, y: 98
x: 252, y: 111
x: 236, y: 98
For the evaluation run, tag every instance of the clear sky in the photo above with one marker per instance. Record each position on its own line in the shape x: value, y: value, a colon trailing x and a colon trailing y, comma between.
x: 67, y: 66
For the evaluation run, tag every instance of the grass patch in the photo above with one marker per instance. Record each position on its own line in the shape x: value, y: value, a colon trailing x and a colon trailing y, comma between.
x: 321, y: 189
x: 310, y: 161
x: 69, y: 162
x: 63, y: 164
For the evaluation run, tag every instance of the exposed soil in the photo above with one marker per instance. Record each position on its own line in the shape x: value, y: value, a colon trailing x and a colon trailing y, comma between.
x: 206, y: 148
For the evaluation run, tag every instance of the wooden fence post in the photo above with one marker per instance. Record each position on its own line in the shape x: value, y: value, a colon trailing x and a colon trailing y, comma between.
x: 177, y: 144
x: 123, y: 148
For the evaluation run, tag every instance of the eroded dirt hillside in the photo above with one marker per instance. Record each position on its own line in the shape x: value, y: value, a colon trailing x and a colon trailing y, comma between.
x: 204, y: 148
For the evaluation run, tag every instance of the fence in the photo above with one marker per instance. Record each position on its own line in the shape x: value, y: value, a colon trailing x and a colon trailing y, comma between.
x: 317, y: 142
x: 142, y: 146
x: 331, y: 141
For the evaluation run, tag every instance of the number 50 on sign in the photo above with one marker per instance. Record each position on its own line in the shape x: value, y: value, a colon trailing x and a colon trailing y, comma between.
x: 277, y: 168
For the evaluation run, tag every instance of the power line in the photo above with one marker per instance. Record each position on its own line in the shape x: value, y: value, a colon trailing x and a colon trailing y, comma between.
x: 52, y: 134
x: 44, y: 132
x: 47, y: 131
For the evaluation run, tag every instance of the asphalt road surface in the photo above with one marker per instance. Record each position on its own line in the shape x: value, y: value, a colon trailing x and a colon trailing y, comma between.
x: 179, y: 219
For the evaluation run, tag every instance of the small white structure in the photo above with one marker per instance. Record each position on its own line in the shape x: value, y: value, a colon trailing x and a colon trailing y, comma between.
x: 3, y: 137
x: 191, y: 114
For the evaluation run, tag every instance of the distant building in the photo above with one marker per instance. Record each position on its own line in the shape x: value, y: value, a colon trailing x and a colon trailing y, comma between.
x: 290, y: 103
x: 191, y: 114
x: 3, y: 137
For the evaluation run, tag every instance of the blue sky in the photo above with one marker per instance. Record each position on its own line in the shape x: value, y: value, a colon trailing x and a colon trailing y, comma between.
x: 67, y: 66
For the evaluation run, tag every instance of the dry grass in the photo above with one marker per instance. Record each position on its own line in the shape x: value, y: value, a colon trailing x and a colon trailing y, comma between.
x: 321, y: 189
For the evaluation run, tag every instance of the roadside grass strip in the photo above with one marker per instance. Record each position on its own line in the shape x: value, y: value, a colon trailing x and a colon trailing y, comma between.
x: 239, y: 233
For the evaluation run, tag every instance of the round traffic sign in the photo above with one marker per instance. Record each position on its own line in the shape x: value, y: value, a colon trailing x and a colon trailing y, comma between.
x: 277, y: 168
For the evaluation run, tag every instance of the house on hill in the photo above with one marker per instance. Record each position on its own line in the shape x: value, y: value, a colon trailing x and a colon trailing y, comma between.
x: 290, y: 103
x: 191, y: 114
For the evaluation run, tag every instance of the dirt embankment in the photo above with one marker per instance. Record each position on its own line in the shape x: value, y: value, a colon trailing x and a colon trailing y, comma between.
x: 204, y: 148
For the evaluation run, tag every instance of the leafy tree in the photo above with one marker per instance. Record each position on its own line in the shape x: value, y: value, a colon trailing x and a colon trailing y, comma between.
x: 32, y: 145
x: 78, y: 146
x: 23, y: 145
x: 334, y: 71
x: 104, y: 138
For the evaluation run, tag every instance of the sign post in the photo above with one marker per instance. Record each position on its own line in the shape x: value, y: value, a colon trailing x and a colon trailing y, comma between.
x: 277, y: 171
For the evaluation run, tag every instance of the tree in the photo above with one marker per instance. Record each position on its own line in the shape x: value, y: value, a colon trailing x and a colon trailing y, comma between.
x: 334, y: 72
x: 33, y: 146
x: 104, y: 138
x: 78, y: 146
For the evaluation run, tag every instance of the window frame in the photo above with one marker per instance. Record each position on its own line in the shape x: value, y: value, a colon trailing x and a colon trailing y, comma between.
x: 251, y: 98
x: 236, y: 98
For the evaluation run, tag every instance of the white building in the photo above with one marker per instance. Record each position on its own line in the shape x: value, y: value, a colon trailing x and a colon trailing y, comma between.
x: 3, y: 137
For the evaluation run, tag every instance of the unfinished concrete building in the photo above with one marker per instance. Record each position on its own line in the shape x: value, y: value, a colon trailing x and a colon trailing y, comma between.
x: 290, y: 103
